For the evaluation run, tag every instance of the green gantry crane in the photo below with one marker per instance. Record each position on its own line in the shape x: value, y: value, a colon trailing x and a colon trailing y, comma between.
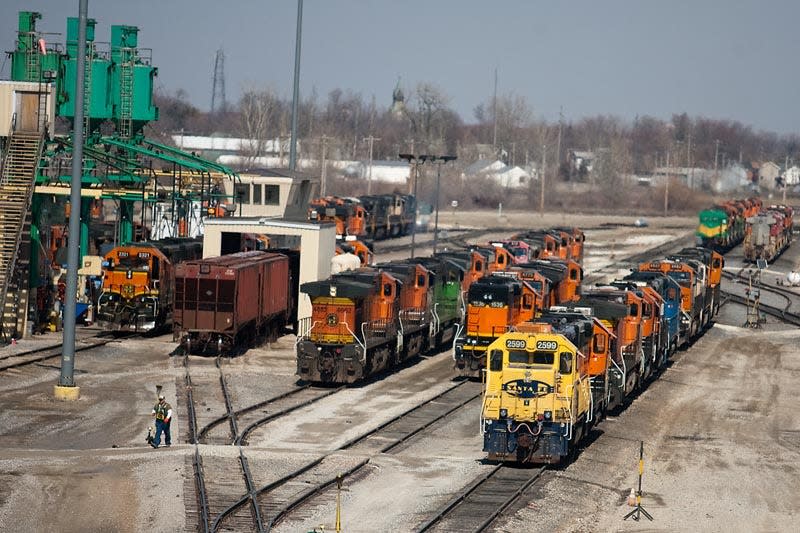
x: 120, y: 164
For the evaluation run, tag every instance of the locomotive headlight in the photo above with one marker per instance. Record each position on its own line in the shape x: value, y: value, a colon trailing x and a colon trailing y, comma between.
x: 548, y: 415
x: 503, y: 413
x: 332, y: 291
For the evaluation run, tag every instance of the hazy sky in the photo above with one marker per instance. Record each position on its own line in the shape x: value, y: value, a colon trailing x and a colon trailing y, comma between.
x: 721, y: 59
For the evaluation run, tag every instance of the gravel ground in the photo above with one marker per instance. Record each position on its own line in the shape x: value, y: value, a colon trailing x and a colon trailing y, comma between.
x: 720, y: 430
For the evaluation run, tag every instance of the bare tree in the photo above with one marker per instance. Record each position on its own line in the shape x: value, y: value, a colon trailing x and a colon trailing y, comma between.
x: 257, y: 112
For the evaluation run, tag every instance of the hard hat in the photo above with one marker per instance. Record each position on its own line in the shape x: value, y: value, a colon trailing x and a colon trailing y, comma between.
x: 160, y: 396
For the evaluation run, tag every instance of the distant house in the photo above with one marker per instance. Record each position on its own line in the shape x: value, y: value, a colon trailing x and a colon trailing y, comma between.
x: 581, y: 162
x: 768, y: 171
x: 509, y: 177
x: 792, y: 175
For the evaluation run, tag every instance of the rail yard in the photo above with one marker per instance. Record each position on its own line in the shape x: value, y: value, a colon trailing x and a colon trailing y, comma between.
x: 407, y: 442
x: 333, y: 360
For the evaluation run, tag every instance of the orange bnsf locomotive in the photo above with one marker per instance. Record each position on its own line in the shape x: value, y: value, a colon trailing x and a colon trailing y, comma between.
x: 137, y: 293
x: 502, y: 300
x: 371, y: 319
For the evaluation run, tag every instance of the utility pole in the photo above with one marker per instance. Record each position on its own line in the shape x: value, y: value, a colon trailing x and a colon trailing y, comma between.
x: 716, y: 159
x: 558, y: 146
x: 666, y: 186
x: 323, y: 185
x: 371, y: 140
x: 544, y: 174
x: 689, y: 162
x: 785, y: 171
x: 440, y: 160
x: 66, y: 389
x: 413, y: 143
x: 296, y: 89
x: 414, y: 161
x: 494, y: 111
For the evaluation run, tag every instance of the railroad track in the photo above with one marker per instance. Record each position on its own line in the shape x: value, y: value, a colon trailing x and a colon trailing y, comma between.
x: 44, y: 353
x: 457, y: 238
x: 475, y: 507
x: 777, y: 312
x: 789, y: 297
x: 289, y: 493
x: 633, y: 260
x: 220, y: 483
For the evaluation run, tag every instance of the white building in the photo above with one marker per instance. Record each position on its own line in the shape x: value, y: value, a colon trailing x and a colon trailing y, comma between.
x: 792, y: 175
x: 214, y: 145
x: 504, y: 175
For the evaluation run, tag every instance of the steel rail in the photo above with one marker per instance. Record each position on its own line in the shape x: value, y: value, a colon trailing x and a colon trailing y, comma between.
x: 780, y: 291
x: 227, y: 398
x: 303, y: 497
x: 56, y: 352
x: 510, y: 501
x: 202, y: 434
x: 241, y: 439
x: 470, y: 489
x: 790, y: 318
x: 312, y: 464
x: 197, y: 460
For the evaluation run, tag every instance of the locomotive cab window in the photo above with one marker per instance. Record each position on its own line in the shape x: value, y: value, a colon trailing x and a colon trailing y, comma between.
x: 634, y: 310
x: 387, y: 289
x: 421, y: 280
x: 524, y: 357
x: 565, y: 363
x: 520, y: 357
x: 527, y: 301
x: 599, y: 344
x: 496, y: 360
x: 156, y: 269
x: 478, y: 266
x: 573, y: 274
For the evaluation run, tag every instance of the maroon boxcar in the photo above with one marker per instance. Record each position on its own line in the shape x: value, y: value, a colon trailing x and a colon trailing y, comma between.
x: 228, y: 302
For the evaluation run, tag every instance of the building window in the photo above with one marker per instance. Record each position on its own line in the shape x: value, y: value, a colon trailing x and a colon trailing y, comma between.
x: 257, y: 193
x: 242, y: 191
x: 272, y: 194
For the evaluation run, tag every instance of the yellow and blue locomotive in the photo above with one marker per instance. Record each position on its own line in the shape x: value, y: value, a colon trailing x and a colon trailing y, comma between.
x: 545, y: 388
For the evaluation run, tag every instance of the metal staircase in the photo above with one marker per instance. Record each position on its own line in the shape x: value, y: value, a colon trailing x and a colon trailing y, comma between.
x: 17, y: 181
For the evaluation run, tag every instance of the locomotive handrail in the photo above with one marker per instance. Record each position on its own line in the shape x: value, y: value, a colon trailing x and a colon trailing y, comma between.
x: 623, y: 370
x: 436, y: 320
x: 459, y: 331
x: 302, y: 336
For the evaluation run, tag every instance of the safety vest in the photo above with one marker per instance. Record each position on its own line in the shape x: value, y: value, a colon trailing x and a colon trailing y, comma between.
x: 161, y: 410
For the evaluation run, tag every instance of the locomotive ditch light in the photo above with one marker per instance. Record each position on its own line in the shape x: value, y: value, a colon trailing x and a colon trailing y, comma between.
x: 548, y: 415
x: 503, y: 413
